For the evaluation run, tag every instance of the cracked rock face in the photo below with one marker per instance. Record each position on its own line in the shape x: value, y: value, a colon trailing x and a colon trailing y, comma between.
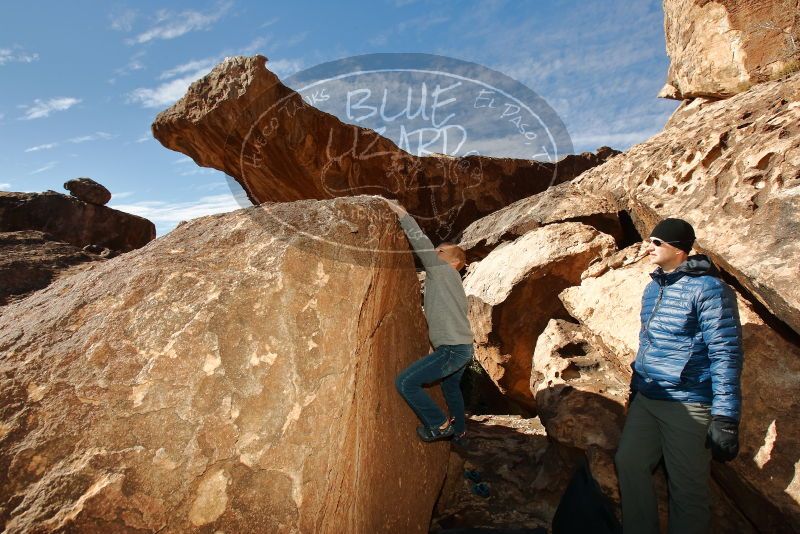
x: 763, y: 480
x: 240, y: 119
x: 718, y: 49
x: 232, y: 376
x: 512, y: 295
x: 732, y: 169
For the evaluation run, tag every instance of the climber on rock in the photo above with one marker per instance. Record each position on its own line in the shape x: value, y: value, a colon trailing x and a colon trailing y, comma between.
x: 445, y: 306
x: 685, y: 389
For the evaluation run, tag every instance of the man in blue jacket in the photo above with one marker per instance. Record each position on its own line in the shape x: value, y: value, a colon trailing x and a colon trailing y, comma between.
x: 685, y: 390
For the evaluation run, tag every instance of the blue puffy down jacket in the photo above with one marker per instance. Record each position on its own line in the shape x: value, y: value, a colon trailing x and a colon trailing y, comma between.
x: 690, y: 347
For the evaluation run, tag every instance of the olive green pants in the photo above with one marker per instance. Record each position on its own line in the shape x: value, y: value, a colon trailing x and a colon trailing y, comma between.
x: 676, y: 431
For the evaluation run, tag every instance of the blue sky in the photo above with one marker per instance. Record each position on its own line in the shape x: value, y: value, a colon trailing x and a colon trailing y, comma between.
x: 81, y: 82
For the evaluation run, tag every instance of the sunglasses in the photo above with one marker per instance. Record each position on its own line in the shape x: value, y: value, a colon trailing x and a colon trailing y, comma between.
x: 658, y: 242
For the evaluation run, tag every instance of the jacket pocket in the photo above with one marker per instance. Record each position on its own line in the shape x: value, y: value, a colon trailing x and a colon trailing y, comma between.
x: 677, y: 363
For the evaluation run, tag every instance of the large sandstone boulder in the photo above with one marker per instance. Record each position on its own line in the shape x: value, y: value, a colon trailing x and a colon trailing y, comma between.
x: 240, y: 119
x: 74, y: 221
x: 560, y: 203
x: 720, y: 48
x: 762, y: 480
x: 235, y: 375
x: 513, y: 293
x: 30, y: 260
x: 732, y: 169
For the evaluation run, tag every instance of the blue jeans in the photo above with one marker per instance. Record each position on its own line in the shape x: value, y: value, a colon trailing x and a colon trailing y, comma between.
x: 447, y: 363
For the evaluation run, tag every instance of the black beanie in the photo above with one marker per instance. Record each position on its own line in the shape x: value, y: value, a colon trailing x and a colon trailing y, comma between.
x: 676, y: 232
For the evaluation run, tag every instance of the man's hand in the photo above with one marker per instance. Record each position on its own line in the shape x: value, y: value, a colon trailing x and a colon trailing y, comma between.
x: 396, y: 207
x: 723, y: 438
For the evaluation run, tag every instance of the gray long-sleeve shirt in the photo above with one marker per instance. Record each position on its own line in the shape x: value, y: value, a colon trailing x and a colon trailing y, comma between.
x: 445, y: 301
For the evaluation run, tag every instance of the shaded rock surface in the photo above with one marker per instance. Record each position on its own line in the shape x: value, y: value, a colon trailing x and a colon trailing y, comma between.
x: 732, y: 169
x: 763, y: 479
x: 74, y: 221
x: 234, y: 376
x: 30, y: 260
x: 240, y: 119
x: 720, y: 48
x: 579, y: 393
x: 560, y: 203
x: 526, y: 474
x: 88, y: 190
x: 512, y: 295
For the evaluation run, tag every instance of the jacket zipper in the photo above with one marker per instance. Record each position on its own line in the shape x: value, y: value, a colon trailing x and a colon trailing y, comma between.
x: 649, y: 339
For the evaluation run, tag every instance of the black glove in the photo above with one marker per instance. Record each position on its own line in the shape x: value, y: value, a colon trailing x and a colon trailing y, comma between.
x: 723, y: 438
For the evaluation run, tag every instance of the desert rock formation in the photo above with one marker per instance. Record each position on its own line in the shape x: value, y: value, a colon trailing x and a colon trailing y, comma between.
x: 69, y: 219
x: 560, y: 203
x: 240, y: 119
x: 234, y: 375
x: 721, y: 48
x: 732, y: 169
x: 513, y: 294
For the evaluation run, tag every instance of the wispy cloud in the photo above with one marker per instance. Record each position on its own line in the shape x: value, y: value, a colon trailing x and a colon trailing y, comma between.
x: 295, y: 39
x: 97, y: 136
x: 168, y: 214
x: 199, y: 170
x: 165, y: 94
x: 134, y: 64
x: 211, y: 186
x: 46, y: 146
x: 285, y: 67
x: 256, y: 45
x: 171, y: 24
x: 16, y: 54
x: 43, y: 108
x: 123, y: 194
x: 5, y: 186
x: 418, y: 24
x: 144, y: 138
x: 47, y: 167
x: 170, y: 91
x: 195, y: 65
x: 270, y: 22
x: 123, y: 20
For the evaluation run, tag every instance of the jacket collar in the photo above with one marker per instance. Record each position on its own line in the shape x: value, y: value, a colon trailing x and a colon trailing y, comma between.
x: 697, y: 265
x: 666, y: 279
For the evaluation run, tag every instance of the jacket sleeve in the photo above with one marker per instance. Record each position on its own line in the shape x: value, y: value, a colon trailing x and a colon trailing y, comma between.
x: 718, y: 317
x: 422, y: 246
